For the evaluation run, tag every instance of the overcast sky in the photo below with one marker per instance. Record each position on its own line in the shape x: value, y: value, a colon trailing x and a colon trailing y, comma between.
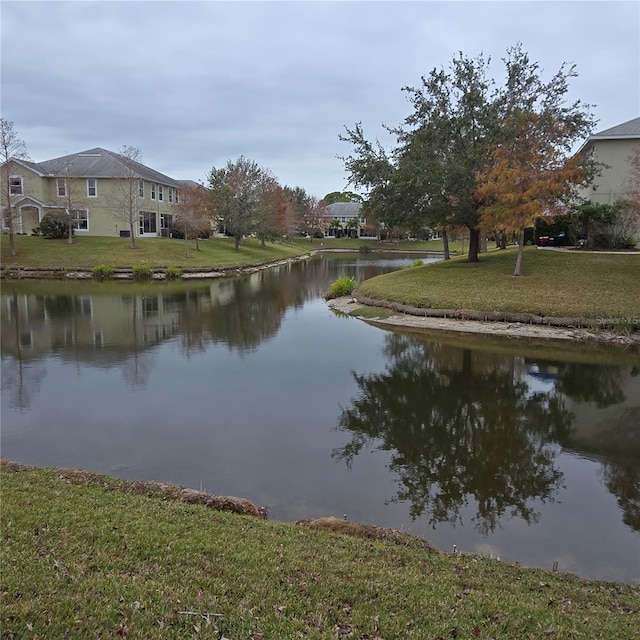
x: 194, y: 84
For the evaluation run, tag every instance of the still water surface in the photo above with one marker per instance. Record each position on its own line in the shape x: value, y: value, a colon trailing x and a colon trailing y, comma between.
x: 525, y: 450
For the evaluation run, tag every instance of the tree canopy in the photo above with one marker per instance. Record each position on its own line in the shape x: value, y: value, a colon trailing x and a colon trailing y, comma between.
x: 476, y: 155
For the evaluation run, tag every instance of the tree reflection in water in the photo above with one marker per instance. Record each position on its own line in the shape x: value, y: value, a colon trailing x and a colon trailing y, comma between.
x: 460, y: 426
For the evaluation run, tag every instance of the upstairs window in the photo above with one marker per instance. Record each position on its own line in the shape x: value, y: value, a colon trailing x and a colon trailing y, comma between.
x: 92, y: 188
x: 160, y: 192
x: 15, y: 186
x: 62, y: 187
x: 141, y: 188
x: 153, y: 191
x: 170, y: 194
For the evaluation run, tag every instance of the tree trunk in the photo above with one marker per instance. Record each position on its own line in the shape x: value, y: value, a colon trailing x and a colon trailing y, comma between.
x: 133, y: 236
x: 197, y: 242
x: 483, y: 241
x: 518, y: 270
x: 474, y: 245
x: 70, y: 233
x: 237, y: 239
x: 186, y: 242
x: 445, y: 242
x: 503, y: 240
x: 12, y: 242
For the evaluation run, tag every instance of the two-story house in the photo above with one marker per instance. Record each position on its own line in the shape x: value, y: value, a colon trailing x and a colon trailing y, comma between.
x: 613, y: 148
x: 98, y: 187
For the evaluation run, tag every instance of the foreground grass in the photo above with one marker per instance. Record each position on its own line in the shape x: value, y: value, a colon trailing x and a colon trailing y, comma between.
x: 79, y: 561
x: 555, y: 284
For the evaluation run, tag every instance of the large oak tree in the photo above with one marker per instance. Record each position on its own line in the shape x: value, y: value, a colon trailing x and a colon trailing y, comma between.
x: 471, y: 154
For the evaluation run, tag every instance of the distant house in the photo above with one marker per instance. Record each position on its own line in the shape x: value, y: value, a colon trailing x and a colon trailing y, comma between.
x: 344, y: 220
x: 613, y: 147
x: 96, y: 177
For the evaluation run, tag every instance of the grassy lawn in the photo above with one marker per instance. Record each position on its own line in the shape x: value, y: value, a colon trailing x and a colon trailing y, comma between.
x: 79, y: 561
x: 167, y: 252
x: 555, y: 284
x: 153, y: 252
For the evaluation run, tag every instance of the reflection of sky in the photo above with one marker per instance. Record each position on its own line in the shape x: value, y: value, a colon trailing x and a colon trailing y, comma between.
x: 263, y: 426
x: 540, y: 380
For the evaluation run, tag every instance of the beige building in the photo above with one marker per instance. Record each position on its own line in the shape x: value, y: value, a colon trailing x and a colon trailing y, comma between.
x: 100, y: 187
x: 613, y: 147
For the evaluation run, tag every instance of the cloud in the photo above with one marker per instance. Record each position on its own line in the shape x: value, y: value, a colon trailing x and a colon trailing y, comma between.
x: 193, y: 84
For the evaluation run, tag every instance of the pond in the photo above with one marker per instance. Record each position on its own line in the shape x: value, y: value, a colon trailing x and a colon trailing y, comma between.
x: 519, y: 449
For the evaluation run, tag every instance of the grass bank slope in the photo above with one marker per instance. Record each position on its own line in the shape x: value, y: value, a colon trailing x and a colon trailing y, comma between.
x: 562, y: 284
x: 82, y: 561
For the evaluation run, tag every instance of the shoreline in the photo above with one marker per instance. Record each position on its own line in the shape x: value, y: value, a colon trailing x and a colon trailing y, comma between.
x: 505, y: 328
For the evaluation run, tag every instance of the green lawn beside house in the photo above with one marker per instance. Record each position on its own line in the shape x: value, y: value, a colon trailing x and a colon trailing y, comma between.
x: 87, y: 252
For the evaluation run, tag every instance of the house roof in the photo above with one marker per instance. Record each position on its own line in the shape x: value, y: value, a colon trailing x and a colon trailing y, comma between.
x: 31, y: 166
x: 346, y: 209
x: 629, y: 130
x: 99, y: 163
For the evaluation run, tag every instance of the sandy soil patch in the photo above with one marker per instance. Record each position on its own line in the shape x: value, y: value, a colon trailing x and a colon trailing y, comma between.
x: 508, y: 329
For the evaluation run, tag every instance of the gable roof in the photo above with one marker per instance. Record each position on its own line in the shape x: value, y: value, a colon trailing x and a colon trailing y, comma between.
x: 27, y: 164
x: 101, y: 163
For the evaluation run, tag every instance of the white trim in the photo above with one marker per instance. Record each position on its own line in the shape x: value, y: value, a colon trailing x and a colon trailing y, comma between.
x: 95, y: 182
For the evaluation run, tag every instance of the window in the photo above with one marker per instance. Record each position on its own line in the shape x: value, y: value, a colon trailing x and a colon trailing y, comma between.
x: 166, y: 221
x: 176, y: 194
x: 80, y: 219
x: 92, y: 188
x: 147, y: 222
x: 153, y: 191
x: 170, y: 194
x: 15, y: 186
x: 141, y: 188
x: 160, y: 192
x: 62, y: 187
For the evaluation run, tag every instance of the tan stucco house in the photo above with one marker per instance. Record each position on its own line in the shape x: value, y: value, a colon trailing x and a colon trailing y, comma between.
x: 613, y: 147
x: 94, y: 181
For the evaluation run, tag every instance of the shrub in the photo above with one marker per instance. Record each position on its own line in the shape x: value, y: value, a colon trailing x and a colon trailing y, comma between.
x: 364, y: 248
x: 102, y: 272
x: 173, y: 273
x: 341, y: 287
x: 140, y: 272
x: 418, y: 263
x: 54, y: 228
